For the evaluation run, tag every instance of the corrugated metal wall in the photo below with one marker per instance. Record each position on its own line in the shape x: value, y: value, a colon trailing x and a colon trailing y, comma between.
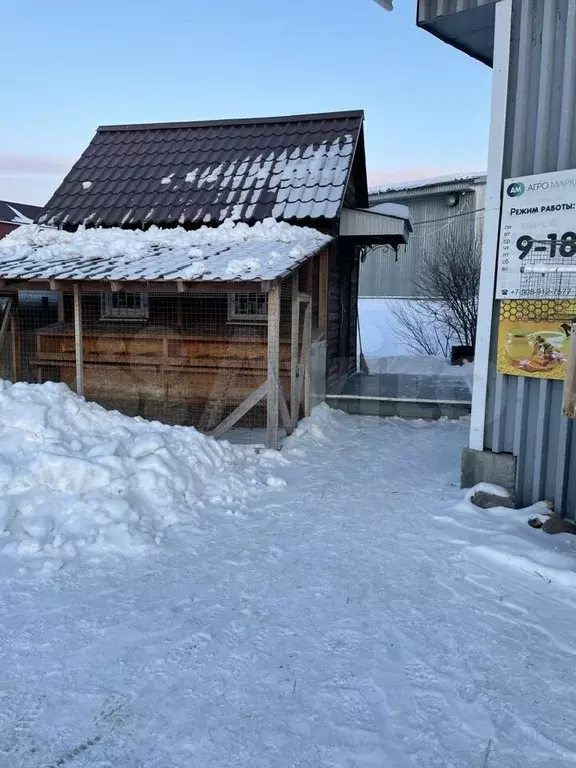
x: 524, y: 415
x: 385, y: 274
x: 428, y: 10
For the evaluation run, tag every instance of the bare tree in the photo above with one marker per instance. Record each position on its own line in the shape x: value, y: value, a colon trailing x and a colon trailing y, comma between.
x: 448, y: 284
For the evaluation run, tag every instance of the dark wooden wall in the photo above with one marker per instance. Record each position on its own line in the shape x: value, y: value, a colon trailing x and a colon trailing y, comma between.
x: 342, y: 314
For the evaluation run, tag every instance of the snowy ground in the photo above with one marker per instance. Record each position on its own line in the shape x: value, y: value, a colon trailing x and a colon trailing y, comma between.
x: 361, y: 616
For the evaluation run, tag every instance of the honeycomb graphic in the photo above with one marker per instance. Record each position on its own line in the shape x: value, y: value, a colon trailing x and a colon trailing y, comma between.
x: 537, y: 310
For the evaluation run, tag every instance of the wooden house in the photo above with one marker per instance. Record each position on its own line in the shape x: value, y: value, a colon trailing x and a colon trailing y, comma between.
x: 207, y: 272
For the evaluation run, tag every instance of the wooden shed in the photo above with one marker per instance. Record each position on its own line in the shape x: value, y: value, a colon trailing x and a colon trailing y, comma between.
x: 199, y: 271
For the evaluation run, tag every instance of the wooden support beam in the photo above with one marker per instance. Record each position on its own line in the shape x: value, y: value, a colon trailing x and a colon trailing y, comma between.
x: 569, y: 399
x: 294, y: 343
x: 241, y: 410
x: 181, y: 286
x: 272, y: 404
x: 115, y: 286
x: 284, y: 413
x: 136, y: 286
x: 16, y: 347
x: 304, y: 357
x: 78, y: 350
x: 307, y: 348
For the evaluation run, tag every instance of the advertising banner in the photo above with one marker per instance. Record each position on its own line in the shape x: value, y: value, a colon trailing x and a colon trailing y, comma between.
x: 537, y: 248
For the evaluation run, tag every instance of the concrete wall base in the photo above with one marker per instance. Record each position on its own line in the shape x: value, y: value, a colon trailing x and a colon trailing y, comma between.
x: 403, y: 408
x: 488, y: 467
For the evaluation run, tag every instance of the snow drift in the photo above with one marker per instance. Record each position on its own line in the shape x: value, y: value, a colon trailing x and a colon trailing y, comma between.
x: 75, y: 477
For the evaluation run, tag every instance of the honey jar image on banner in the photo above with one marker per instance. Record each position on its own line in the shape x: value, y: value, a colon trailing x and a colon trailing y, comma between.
x: 533, y: 337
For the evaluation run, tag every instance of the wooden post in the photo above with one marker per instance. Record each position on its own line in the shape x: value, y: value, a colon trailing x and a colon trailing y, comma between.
x: 569, y: 399
x: 294, y: 339
x: 16, y: 347
x: 272, y: 404
x: 284, y: 414
x: 5, y: 321
x: 304, y: 359
x: 60, y: 306
x: 79, y: 352
x: 307, y: 351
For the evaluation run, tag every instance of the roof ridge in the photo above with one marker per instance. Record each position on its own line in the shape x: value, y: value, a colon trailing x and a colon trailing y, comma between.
x: 357, y: 113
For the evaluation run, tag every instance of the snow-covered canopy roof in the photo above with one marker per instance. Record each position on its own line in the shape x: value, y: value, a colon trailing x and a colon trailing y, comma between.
x: 230, y: 252
x: 392, y: 209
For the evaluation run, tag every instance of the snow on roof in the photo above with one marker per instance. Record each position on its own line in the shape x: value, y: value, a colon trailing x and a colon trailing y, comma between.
x: 396, y: 210
x: 452, y: 178
x: 232, y: 251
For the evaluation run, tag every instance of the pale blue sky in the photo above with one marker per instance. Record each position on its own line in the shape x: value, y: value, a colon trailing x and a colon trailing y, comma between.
x: 70, y: 66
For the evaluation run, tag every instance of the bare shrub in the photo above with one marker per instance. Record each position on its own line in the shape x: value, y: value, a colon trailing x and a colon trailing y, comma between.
x: 448, y: 282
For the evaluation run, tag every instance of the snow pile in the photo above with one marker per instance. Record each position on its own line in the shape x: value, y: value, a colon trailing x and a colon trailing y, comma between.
x: 324, y: 425
x: 76, y: 478
x: 500, y: 538
x: 169, y: 254
x: 483, y: 487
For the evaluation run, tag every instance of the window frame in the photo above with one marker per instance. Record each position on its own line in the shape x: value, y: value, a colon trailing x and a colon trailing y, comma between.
x: 247, y: 319
x: 109, y: 312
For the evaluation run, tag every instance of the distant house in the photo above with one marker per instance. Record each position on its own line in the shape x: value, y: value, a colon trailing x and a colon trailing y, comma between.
x: 445, y: 205
x: 241, y: 309
x: 13, y: 215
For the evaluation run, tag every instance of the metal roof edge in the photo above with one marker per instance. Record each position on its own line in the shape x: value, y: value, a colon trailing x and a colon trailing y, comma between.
x: 359, y: 138
x: 436, y: 186
x: 358, y: 113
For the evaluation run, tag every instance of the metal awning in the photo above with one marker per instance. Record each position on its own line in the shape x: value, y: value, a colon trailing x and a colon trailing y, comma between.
x: 368, y: 227
x: 470, y: 30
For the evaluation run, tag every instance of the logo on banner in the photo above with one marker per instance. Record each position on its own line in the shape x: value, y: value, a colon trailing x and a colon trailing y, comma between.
x: 516, y: 189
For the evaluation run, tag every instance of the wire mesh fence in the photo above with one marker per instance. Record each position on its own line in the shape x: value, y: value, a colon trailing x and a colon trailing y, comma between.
x: 180, y: 358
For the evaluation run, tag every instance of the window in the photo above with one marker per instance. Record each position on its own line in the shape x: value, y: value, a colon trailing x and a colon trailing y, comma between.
x: 122, y: 305
x: 247, y: 307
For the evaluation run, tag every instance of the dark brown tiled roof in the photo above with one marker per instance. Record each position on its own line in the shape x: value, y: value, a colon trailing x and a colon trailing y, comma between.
x: 290, y: 168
